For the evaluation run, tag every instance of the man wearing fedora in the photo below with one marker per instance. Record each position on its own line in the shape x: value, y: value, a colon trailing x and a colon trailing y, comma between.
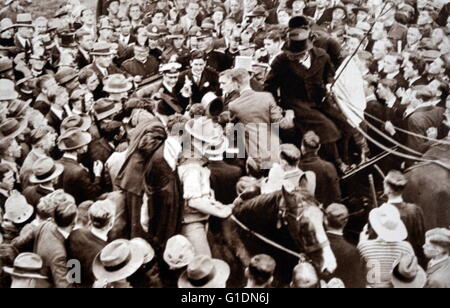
x: 437, y: 249
x: 26, y: 271
x: 116, y: 262
x: 7, y: 32
x: 49, y: 239
x: 205, y: 272
x: 102, y: 64
x: 44, y: 179
x: 75, y: 179
x: 84, y: 244
x: 25, y: 30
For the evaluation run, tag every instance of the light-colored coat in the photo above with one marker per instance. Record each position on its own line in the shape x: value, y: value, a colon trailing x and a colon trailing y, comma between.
x: 439, y: 275
x: 257, y: 111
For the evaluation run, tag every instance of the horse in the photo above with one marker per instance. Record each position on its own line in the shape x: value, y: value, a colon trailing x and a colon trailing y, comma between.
x: 429, y: 186
x: 291, y: 219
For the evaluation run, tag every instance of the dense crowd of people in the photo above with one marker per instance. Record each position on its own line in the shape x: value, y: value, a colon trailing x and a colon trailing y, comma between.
x: 129, y: 133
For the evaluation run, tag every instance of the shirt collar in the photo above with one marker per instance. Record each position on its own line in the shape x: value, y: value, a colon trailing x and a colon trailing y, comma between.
x: 338, y: 233
x: 396, y: 200
x: 96, y: 233
x: 436, y: 262
x: 70, y: 156
x: 64, y: 233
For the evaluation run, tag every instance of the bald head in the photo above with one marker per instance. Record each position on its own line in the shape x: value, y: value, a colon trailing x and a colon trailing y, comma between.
x: 304, y: 277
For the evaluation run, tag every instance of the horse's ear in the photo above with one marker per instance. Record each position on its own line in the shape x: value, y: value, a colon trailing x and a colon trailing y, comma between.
x: 289, y: 195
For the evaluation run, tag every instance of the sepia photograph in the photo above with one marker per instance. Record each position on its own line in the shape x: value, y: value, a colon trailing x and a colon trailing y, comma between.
x: 216, y: 146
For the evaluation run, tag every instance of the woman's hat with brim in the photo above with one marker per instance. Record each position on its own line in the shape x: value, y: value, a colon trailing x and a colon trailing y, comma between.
x: 17, y: 209
x: 102, y: 49
x: 105, y: 108
x: 24, y: 20
x: 204, y: 272
x: 117, y: 84
x: 118, y: 261
x: 387, y: 223
x: 45, y: 169
x: 11, y: 128
x: 7, y: 90
x: 408, y: 274
x: 73, y: 139
x: 82, y: 122
x: 179, y: 252
x: 26, y: 265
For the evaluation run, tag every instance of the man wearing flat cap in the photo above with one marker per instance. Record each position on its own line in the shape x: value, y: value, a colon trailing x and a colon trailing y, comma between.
x: 437, y: 248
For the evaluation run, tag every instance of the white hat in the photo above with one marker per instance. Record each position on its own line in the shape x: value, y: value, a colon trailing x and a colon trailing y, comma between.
x: 387, y: 223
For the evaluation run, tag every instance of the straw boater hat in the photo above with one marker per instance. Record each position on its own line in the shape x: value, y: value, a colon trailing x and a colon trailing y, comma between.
x: 7, y: 90
x: 17, y: 209
x: 44, y: 170
x: 179, y: 252
x: 73, y: 139
x: 117, y: 261
x: 116, y: 84
x: 387, y: 223
x: 104, y: 108
x: 407, y: 273
x: 26, y: 265
x: 207, y: 137
x: 24, y: 20
x: 18, y: 107
x: 81, y: 122
x: 11, y: 128
x: 258, y: 11
x: 204, y: 272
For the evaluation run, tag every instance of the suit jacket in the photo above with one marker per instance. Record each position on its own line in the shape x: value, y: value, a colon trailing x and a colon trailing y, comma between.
x: 413, y: 218
x: 419, y: 122
x: 20, y: 47
x: 224, y: 178
x: 328, y: 189
x: 209, y: 82
x: 82, y: 61
x: 349, y: 269
x: 187, y: 24
x: 33, y: 194
x: 135, y: 68
x: 49, y: 243
x: 219, y: 61
x: 438, y: 275
x: 54, y: 121
x: 83, y: 245
x: 256, y: 111
x: 327, y: 15
x: 111, y: 70
x: 76, y: 181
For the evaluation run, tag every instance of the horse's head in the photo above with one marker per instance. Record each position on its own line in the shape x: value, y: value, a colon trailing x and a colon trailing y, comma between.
x: 305, y: 220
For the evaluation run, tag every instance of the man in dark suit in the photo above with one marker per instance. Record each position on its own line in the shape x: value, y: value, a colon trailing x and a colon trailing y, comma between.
x: 328, y: 189
x: 349, y: 268
x: 142, y: 65
x: 85, y: 43
x: 45, y: 176
x: 49, y: 240
x: 414, y: 69
x: 321, y: 13
x: 203, y: 79
x: 84, y: 244
x: 216, y: 60
x: 25, y: 31
x: 76, y: 179
x: 102, y: 64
